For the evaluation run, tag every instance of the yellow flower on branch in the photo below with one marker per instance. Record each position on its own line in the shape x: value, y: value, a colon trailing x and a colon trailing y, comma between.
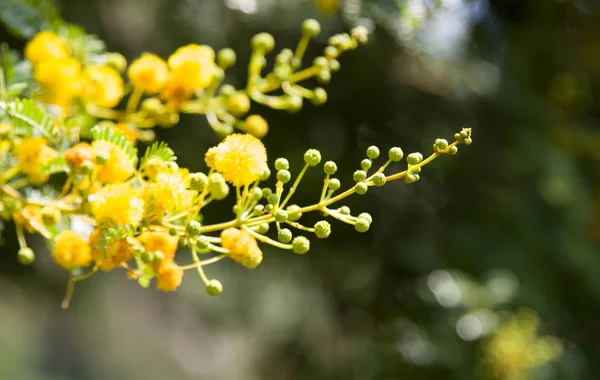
x: 113, y: 256
x: 159, y: 241
x: 117, y: 168
x: 169, y: 277
x: 71, y: 250
x: 168, y: 193
x: 32, y: 155
x: 240, y: 158
x: 242, y: 246
x: 45, y: 46
x: 148, y: 73
x: 196, y: 62
x: 28, y: 217
x: 102, y: 85
x: 60, y: 80
x: 117, y: 205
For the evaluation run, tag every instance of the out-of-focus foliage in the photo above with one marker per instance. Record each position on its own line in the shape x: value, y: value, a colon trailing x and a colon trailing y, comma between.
x: 516, y: 217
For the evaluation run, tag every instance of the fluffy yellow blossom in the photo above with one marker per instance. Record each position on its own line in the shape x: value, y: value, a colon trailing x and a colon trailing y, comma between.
x: 196, y: 62
x: 28, y: 217
x: 169, y: 277
x: 114, y: 256
x: 240, y: 158
x: 102, y: 85
x: 60, y: 79
x: 117, y: 168
x: 78, y: 154
x: 45, y: 46
x: 32, y: 154
x: 243, y: 247
x: 71, y: 250
x: 117, y: 204
x: 168, y: 193
x: 149, y: 73
x: 160, y: 241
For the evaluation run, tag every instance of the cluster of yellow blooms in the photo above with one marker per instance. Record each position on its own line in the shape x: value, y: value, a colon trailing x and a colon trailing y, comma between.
x: 118, y: 211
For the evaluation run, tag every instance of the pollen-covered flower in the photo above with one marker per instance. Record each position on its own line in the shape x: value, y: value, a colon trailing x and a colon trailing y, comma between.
x: 60, y: 80
x: 168, y: 193
x: 169, y: 277
x: 102, y: 85
x: 78, y: 154
x: 71, y: 250
x: 240, y: 158
x: 32, y: 154
x: 242, y: 246
x: 196, y: 62
x: 45, y: 46
x: 28, y: 217
x: 117, y: 168
x: 160, y: 241
x: 117, y: 205
x: 113, y: 256
x: 148, y: 73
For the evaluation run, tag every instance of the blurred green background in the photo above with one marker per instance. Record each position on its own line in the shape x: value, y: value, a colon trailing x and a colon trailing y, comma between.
x: 456, y: 271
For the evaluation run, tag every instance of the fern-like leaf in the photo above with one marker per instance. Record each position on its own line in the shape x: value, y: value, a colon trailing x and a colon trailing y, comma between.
x: 58, y: 165
x: 117, y: 139
x: 158, y: 150
x: 30, y: 120
x: 114, y: 234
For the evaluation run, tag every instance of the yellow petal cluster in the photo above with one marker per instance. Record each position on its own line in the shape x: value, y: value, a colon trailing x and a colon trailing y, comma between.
x: 240, y: 158
x: 114, y: 256
x: 168, y: 193
x: 242, y: 246
x: 101, y: 85
x: 169, y: 277
x: 117, y: 168
x: 149, y: 73
x: 45, y: 46
x: 71, y: 250
x: 32, y: 154
x: 117, y: 205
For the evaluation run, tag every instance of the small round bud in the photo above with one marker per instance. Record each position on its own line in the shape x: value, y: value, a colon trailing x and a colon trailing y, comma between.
x: 238, y: 104
x: 372, y: 152
x: 361, y: 188
x: 159, y: 256
x: 379, y: 179
x: 395, y: 154
x: 282, y: 164
x: 311, y: 27
x: 410, y: 178
x: 312, y: 157
x: 453, y: 150
x: 359, y: 175
x: 193, y: 228
x: 214, y: 288
x: 266, y: 174
x: 334, y: 65
x: 257, y: 126
x: 281, y: 216
x: 266, y: 192
x: 116, y: 61
x: 263, y: 41
x: 226, y: 58
x: 284, y: 176
x: 322, y: 229
x: 441, y: 144
x: 330, y: 167
x: 415, y: 170
x: 321, y: 62
x: 367, y: 216
x: 284, y: 235
x: 197, y: 181
x: 362, y: 225
x: 324, y: 76
x: 102, y: 158
x: 457, y: 136
x: 331, y: 52
x: 202, y: 242
x: 319, y: 96
x: 147, y: 257
x: 173, y: 232
x: 50, y: 215
x: 153, y: 106
x: 86, y: 167
x: 468, y: 141
x: 345, y: 210
x: 464, y: 134
x: 217, y: 186
x: 293, y: 216
x: 300, y: 245
x: 334, y: 184
x: 256, y: 194
x: 414, y: 158
x: 227, y: 90
x: 295, y: 103
x: 360, y: 34
x: 259, y: 209
x: 273, y: 199
x: 26, y: 256
x: 263, y: 228
x: 366, y: 164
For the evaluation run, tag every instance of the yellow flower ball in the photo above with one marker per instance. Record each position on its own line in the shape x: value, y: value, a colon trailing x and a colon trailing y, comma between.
x: 160, y: 241
x: 102, y: 85
x: 60, y: 80
x: 117, y: 168
x: 242, y: 246
x: 71, y: 250
x: 117, y: 205
x: 257, y: 126
x: 194, y: 62
x: 32, y: 154
x: 169, y: 277
x: 148, y: 73
x: 78, y: 154
x: 115, y: 255
x: 168, y: 193
x: 45, y: 46
x: 240, y: 158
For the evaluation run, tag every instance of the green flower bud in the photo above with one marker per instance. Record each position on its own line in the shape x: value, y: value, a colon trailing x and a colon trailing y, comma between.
x: 379, y: 179
x: 464, y: 134
x: 330, y: 167
x: 266, y: 174
x: 319, y: 96
x: 226, y: 58
x: 147, y: 257
x: 345, y: 210
x: 334, y: 65
x: 173, y: 232
x: 214, y: 288
x: 86, y: 167
x: 457, y: 136
x: 238, y: 104
x: 331, y: 52
x: 257, y: 126
x: 280, y: 216
x: 322, y: 229
x: 359, y: 175
x: 395, y: 154
x: 116, y: 61
x: 256, y: 194
x: 159, y: 256
x: 273, y: 199
x: 293, y: 217
x: 321, y: 62
x: 362, y: 225
x: 467, y: 141
x: 202, y: 243
x: 50, y: 215
x: 441, y: 144
x: 197, y: 181
x: 360, y: 34
x: 102, y: 158
x: 226, y: 90
x: 263, y: 228
x: 367, y: 216
x: 25, y: 256
x: 415, y: 170
x: 259, y: 209
x: 295, y: 103
x: 453, y: 150
x: 284, y: 235
x: 217, y: 186
x: 361, y: 188
x: 153, y: 106
x: 284, y: 176
x: 266, y: 192
x: 235, y: 209
x: 312, y: 157
x: 311, y: 27
x: 414, y: 158
x: 372, y: 152
x: 410, y: 178
x: 366, y: 164
x: 300, y: 245
x: 334, y: 184
x: 193, y: 228
x: 282, y: 164
x: 269, y: 208
x: 263, y: 41
x: 324, y: 76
